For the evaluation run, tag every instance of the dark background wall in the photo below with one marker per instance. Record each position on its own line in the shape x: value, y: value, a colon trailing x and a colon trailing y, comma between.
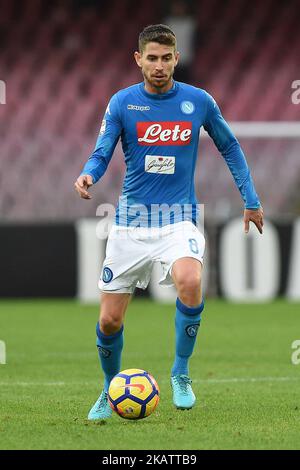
x: 38, y: 260
x: 41, y: 260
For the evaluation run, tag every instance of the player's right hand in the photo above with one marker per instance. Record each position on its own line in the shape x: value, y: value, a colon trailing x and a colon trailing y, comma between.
x: 82, y: 185
x: 256, y: 216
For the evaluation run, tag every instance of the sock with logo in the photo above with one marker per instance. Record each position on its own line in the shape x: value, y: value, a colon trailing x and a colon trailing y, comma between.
x: 109, y: 350
x: 187, y: 322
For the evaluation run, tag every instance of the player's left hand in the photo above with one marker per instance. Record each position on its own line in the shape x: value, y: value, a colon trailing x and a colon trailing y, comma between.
x: 256, y: 216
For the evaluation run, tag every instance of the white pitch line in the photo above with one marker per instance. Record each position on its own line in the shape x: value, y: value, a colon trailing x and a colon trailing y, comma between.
x: 34, y: 384
x: 248, y: 379
x: 204, y: 381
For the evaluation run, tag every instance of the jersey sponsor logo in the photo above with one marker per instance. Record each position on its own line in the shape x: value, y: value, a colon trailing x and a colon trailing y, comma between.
x: 164, y: 133
x: 160, y: 164
x: 134, y: 107
x: 187, y: 107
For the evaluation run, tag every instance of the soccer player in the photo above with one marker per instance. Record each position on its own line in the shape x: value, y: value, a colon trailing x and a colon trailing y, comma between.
x: 159, y: 121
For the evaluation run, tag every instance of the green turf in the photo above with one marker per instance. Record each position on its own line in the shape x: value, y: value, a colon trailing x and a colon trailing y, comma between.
x: 247, y: 388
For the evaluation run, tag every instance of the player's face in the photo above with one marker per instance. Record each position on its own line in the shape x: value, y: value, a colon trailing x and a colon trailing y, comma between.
x: 157, y: 63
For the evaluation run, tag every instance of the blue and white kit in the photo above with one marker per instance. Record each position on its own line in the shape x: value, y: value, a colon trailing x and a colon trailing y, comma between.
x: 160, y: 137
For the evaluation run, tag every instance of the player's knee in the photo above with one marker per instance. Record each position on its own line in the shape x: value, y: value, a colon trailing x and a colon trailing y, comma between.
x: 110, y: 323
x: 189, y: 283
x: 189, y: 290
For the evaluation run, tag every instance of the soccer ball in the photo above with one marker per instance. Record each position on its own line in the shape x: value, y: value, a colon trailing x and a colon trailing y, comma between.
x: 133, y: 394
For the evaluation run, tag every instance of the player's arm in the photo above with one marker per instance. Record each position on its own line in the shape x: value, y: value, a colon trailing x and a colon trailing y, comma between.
x: 97, y: 163
x: 229, y: 147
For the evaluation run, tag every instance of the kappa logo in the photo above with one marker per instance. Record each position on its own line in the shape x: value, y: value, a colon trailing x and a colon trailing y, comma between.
x: 134, y: 107
x: 104, y: 352
x: 103, y: 127
x: 164, y: 133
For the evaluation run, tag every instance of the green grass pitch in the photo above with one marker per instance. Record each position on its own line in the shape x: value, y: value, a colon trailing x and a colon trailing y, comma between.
x: 246, y: 385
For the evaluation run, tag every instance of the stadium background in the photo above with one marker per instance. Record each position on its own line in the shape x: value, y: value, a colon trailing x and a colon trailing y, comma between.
x: 59, y: 64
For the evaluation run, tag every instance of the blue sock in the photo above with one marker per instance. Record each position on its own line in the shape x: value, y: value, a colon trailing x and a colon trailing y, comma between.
x: 187, y: 322
x: 109, y: 350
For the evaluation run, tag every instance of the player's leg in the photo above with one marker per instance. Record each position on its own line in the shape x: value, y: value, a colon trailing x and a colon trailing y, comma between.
x: 109, y: 332
x: 126, y: 265
x: 181, y: 255
x: 186, y: 273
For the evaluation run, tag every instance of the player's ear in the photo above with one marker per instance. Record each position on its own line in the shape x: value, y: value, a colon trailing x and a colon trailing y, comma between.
x: 138, y: 56
x: 177, y: 55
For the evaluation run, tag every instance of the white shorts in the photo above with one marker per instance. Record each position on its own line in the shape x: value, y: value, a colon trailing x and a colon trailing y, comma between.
x: 132, y: 251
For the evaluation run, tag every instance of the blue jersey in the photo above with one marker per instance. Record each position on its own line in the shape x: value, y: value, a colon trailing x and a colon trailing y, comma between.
x: 160, y: 137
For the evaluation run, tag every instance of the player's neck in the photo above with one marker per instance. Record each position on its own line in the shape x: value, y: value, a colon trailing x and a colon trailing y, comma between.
x: 158, y: 91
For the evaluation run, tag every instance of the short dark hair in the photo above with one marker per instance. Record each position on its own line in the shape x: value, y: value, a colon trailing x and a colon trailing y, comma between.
x: 160, y: 33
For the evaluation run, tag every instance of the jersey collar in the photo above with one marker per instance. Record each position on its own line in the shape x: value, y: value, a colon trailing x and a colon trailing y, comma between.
x: 159, y: 96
